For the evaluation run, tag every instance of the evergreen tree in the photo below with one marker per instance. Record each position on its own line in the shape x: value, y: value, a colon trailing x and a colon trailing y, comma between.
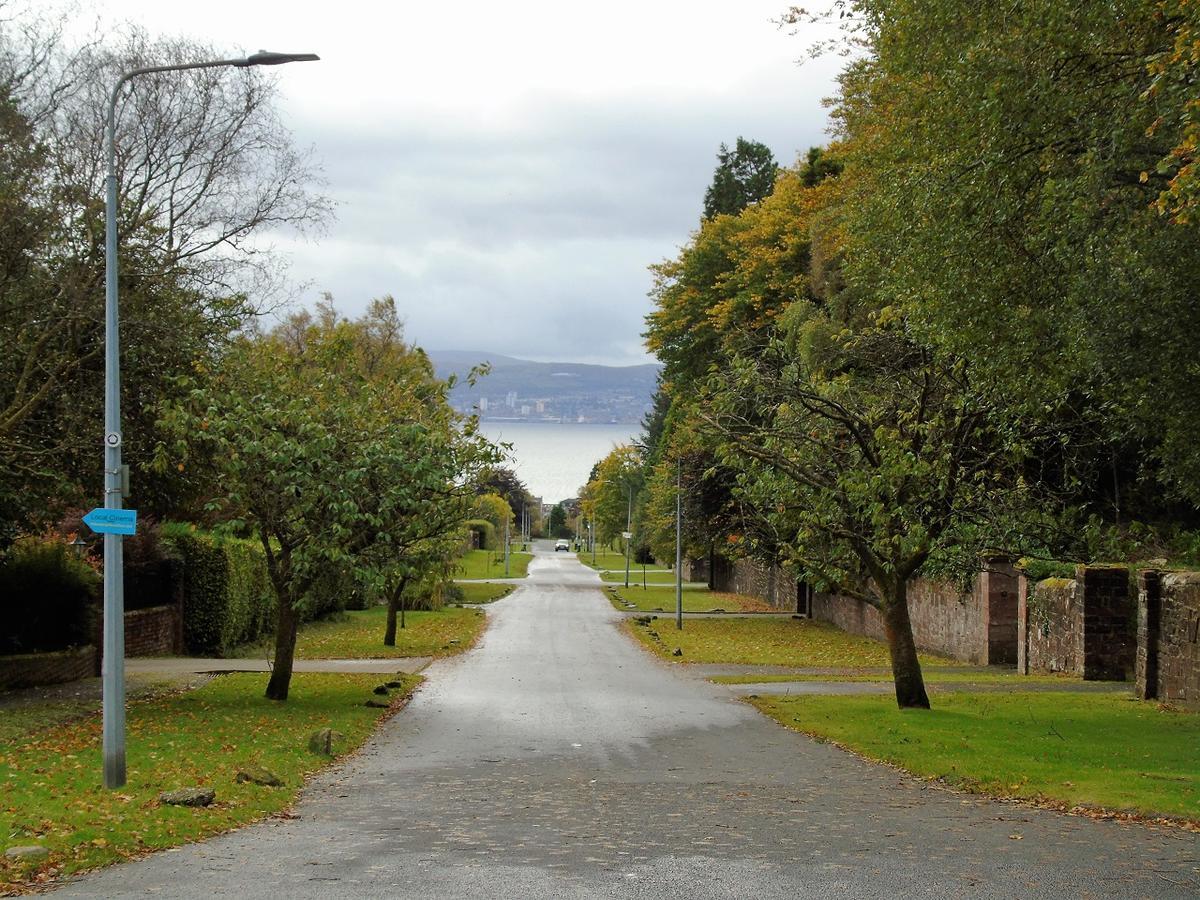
x: 743, y: 176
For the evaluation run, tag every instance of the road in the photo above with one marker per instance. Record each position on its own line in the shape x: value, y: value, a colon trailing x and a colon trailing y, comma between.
x: 558, y: 759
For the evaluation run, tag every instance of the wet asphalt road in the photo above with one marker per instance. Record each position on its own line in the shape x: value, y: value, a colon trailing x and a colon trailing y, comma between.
x: 559, y: 760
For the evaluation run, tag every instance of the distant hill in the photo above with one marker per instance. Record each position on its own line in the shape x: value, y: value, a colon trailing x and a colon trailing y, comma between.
x: 555, y: 391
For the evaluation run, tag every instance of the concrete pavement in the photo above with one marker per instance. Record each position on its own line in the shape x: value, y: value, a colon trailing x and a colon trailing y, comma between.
x: 557, y: 759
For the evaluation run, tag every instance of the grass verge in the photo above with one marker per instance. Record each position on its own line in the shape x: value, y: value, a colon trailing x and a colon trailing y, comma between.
x: 662, y: 599
x: 801, y: 643
x: 358, y: 634
x: 490, y: 564
x: 931, y: 677
x: 606, y: 559
x: 653, y: 577
x: 51, y: 776
x: 482, y: 592
x: 1093, y: 751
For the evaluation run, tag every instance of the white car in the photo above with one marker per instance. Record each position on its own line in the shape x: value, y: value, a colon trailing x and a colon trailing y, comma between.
x: 561, y: 545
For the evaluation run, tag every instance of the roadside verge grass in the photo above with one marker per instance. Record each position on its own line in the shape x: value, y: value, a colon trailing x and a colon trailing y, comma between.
x: 933, y: 676
x: 606, y: 559
x: 653, y: 576
x: 51, y: 776
x: 490, y: 564
x: 358, y: 634
x: 1094, y: 751
x: 662, y: 599
x: 482, y: 592
x: 801, y: 643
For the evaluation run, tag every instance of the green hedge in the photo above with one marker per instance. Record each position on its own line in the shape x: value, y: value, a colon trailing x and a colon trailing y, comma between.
x: 227, y: 595
x: 486, y: 531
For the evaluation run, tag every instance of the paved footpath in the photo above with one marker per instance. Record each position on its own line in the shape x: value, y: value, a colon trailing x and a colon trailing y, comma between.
x: 557, y: 759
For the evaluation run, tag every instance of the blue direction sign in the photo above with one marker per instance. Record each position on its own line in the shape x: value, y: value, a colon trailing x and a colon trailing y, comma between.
x: 112, y: 521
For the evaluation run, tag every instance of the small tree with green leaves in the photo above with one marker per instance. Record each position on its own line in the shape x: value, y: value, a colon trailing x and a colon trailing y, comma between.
x: 326, y: 459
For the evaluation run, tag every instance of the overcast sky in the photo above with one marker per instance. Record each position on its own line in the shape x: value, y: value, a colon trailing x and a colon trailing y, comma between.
x: 507, y: 171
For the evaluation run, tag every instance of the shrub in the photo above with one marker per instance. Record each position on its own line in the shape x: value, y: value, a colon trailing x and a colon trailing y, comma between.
x: 227, y: 595
x: 335, y: 591
x: 48, y: 598
x: 430, y: 593
x: 485, y: 531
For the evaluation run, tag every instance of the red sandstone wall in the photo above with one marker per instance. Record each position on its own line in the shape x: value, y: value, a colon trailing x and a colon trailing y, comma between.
x: 943, y: 620
x: 1168, y: 662
x: 29, y: 669
x: 153, y: 632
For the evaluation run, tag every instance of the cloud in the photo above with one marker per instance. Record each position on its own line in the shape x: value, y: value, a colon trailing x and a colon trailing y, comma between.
x: 531, y: 235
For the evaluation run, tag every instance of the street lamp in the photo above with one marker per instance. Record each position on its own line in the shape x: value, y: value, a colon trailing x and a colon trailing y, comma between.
x: 678, y: 546
x: 114, y: 585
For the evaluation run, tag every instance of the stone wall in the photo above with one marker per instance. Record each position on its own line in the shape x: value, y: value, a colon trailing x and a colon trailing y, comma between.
x: 30, y: 669
x: 771, y: 584
x: 1081, y: 625
x: 848, y: 614
x: 1049, y: 630
x: 978, y: 627
x: 1168, y: 653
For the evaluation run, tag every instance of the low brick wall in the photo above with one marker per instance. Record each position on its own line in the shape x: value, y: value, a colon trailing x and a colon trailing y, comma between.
x: 1168, y: 654
x: 154, y: 631
x: 1082, y: 625
x: 31, y: 669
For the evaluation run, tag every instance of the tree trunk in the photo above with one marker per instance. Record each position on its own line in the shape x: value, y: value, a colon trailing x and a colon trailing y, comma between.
x: 402, y: 604
x: 906, y: 668
x: 394, y: 603
x: 286, y: 622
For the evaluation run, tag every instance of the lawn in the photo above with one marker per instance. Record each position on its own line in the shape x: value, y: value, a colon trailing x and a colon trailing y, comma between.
x: 490, y: 564
x: 653, y: 576
x: 768, y: 642
x: 607, y: 559
x: 933, y: 676
x: 1090, y: 750
x: 662, y: 599
x: 483, y: 593
x: 51, y: 774
x: 358, y: 634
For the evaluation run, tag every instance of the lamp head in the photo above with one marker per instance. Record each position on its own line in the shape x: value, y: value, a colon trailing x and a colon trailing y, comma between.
x: 268, y: 58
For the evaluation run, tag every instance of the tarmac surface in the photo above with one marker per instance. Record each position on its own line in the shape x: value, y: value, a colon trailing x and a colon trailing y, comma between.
x: 559, y: 760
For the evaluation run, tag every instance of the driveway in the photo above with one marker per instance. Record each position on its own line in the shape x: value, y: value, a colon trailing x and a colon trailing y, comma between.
x: 557, y: 759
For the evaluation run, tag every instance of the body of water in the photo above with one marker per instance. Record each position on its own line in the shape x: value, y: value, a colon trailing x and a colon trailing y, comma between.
x: 554, y: 460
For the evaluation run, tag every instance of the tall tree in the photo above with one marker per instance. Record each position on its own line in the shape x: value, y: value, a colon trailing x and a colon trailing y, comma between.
x: 1016, y: 160
x: 203, y: 164
x: 744, y: 175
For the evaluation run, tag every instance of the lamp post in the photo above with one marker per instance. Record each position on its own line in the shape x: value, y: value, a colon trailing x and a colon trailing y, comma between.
x: 678, y: 546
x: 628, y: 533
x: 114, y: 583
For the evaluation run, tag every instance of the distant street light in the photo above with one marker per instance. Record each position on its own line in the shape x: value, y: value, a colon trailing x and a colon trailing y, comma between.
x: 678, y: 546
x: 628, y: 533
x: 114, y: 583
